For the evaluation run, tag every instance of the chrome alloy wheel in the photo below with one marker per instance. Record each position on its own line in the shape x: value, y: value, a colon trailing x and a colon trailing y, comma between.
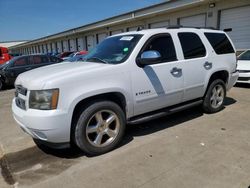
x: 102, y: 128
x: 217, y: 96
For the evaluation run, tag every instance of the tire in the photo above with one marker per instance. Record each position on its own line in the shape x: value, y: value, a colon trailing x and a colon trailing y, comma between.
x: 99, y: 128
x: 214, y: 98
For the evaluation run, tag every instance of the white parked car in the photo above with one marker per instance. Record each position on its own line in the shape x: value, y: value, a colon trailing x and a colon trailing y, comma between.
x: 243, y: 66
x: 128, y: 78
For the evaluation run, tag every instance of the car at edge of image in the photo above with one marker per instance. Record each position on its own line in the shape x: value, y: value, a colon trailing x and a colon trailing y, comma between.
x: 20, y: 64
x: 243, y: 66
x: 128, y: 78
x: 64, y: 54
x: 80, y: 53
x: 75, y: 58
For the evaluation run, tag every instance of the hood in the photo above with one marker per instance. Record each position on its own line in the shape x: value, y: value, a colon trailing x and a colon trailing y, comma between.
x: 243, y: 65
x: 37, y: 78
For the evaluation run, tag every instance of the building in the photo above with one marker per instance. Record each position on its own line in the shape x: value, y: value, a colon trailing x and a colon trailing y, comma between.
x: 231, y: 15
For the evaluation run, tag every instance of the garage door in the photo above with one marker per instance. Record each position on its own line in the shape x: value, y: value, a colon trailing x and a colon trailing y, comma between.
x: 44, y: 48
x: 101, y: 37
x: 81, y: 44
x: 41, y: 49
x: 239, y: 20
x: 159, y: 24
x: 49, y: 47
x: 65, y: 45
x: 59, y: 47
x: 90, y: 42
x: 53, y: 47
x: 194, y: 21
x: 72, y: 44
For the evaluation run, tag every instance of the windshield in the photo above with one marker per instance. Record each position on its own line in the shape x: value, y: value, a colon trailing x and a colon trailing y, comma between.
x: 114, y: 50
x: 245, y: 55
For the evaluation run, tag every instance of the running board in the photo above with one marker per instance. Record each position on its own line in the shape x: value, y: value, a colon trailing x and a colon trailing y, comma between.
x: 164, y: 112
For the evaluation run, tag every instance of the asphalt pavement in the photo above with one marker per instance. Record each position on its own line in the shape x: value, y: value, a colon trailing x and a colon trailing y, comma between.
x: 188, y: 149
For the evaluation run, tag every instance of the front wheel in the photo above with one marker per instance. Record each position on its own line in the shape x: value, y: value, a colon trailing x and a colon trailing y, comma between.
x: 214, y: 97
x: 99, y: 128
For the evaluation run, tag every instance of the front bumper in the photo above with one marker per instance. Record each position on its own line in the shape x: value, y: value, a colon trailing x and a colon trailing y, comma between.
x: 50, y: 126
x: 232, y: 80
x: 244, y: 77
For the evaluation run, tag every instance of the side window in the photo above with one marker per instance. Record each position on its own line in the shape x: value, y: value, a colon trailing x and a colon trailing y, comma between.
x: 220, y: 43
x: 37, y: 60
x: 192, y: 45
x: 164, y: 45
x: 21, y: 62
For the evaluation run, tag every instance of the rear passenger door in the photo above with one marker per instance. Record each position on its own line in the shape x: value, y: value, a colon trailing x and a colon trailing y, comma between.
x: 196, y: 65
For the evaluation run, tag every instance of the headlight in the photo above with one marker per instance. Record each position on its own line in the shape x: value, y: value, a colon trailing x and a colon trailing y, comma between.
x: 44, y: 99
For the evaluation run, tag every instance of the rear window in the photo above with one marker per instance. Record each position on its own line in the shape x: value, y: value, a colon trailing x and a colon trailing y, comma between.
x: 220, y: 43
x: 192, y: 45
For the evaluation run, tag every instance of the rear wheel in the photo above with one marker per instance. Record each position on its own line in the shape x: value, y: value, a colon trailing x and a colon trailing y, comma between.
x: 214, y: 97
x: 100, y: 128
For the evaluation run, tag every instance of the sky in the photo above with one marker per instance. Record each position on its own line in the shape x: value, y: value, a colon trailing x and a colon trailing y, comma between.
x: 32, y: 19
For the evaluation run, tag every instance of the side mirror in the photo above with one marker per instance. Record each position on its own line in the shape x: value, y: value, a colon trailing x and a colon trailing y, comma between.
x: 149, y: 57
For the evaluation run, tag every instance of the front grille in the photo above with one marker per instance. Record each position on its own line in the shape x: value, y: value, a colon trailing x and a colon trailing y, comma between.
x: 20, y: 101
x: 244, y: 78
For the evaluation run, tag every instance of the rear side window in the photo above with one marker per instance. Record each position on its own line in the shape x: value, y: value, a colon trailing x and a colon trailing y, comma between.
x: 164, y: 45
x: 220, y: 43
x: 192, y: 45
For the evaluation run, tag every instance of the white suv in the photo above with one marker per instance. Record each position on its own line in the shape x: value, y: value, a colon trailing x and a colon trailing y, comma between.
x: 128, y: 78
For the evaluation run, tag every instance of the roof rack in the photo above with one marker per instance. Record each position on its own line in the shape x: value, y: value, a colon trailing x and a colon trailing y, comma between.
x: 181, y: 26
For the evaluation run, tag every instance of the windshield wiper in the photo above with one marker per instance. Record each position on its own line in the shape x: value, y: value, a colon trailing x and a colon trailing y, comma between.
x: 98, y: 60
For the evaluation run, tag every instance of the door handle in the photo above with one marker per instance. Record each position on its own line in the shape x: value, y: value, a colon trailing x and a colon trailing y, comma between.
x: 176, y: 71
x: 208, y: 65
